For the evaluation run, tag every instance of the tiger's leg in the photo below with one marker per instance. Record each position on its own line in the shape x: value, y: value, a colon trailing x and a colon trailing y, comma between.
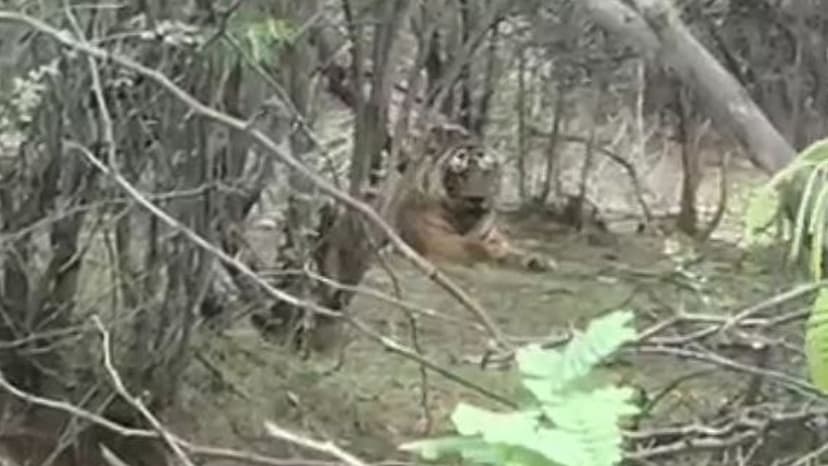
x: 506, y: 253
x: 436, y: 239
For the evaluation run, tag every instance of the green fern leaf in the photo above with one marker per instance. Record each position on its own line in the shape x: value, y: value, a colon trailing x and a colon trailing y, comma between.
x: 816, y: 341
x: 809, y: 167
x: 516, y: 456
x: 547, y: 372
x: 565, y: 424
x: 762, y: 210
x: 471, y: 420
x: 519, y: 429
x: 469, y: 448
x: 593, y: 419
x: 817, y: 228
x: 813, y: 155
x: 801, y: 215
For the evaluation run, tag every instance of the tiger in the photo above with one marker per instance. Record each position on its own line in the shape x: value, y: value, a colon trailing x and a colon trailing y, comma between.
x: 449, y: 216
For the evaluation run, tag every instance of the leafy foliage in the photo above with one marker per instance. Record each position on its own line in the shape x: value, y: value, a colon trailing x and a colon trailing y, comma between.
x: 816, y: 341
x: 19, y: 104
x: 26, y: 94
x: 811, y: 166
x: 761, y: 212
x: 563, y: 423
x: 766, y: 206
x: 262, y: 38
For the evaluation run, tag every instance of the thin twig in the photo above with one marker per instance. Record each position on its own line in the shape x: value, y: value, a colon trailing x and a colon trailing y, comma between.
x: 397, y: 348
x: 328, y: 448
x: 135, y: 402
x: 217, y: 453
x: 796, y: 384
x: 405, y: 305
x: 196, y: 238
x: 73, y: 410
x: 789, y: 295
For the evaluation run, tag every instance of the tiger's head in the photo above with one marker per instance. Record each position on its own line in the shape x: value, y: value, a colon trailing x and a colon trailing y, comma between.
x: 471, y: 178
x: 463, y: 176
x: 459, y: 174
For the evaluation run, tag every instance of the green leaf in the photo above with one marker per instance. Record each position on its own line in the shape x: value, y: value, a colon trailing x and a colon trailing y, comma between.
x: 817, y: 228
x: 566, y: 424
x: 519, y: 429
x: 592, y: 418
x: 808, y: 170
x: 816, y: 341
x: 762, y: 210
x: 517, y: 456
x: 801, y: 215
x: 547, y: 372
x: 471, y: 420
x: 469, y: 448
x: 814, y: 155
x: 262, y: 38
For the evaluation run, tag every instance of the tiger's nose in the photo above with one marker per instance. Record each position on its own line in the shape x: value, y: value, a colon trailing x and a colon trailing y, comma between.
x: 476, y: 202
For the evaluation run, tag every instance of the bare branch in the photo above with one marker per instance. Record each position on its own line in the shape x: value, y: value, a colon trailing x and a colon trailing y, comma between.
x: 328, y: 448
x: 212, y: 114
x: 217, y: 453
x: 136, y: 402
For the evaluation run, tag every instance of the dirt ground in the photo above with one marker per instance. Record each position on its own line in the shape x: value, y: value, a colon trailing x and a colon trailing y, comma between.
x: 375, y: 399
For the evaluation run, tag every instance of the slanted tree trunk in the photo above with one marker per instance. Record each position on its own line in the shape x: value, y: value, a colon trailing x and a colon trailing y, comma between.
x: 656, y: 31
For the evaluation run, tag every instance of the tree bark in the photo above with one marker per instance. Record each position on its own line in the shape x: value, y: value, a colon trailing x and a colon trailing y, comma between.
x: 347, y: 246
x: 659, y: 34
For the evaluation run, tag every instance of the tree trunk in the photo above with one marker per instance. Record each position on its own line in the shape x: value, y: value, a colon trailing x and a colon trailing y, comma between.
x: 520, y: 109
x: 690, y: 163
x: 657, y: 31
x: 346, y: 245
x: 659, y: 34
x: 551, y: 163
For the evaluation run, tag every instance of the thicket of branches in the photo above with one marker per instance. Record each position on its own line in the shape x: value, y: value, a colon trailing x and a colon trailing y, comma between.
x: 137, y: 141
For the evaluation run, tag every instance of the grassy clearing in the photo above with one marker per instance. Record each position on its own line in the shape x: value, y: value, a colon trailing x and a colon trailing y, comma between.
x: 374, y: 401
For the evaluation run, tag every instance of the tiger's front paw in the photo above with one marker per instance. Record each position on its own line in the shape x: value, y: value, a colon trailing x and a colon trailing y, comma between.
x: 538, y: 263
